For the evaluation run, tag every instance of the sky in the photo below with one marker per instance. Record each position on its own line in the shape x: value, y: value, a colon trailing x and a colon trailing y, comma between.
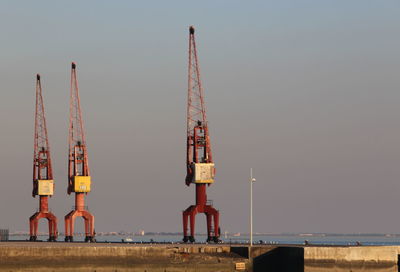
x: 306, y: 93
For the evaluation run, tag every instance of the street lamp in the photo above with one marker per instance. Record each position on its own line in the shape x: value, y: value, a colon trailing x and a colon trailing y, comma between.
x: 251, y: 205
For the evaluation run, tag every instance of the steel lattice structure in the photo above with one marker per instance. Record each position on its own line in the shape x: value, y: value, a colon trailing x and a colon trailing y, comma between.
x: 43, y: 184
x: 79, y: 180
x: 199, y: 162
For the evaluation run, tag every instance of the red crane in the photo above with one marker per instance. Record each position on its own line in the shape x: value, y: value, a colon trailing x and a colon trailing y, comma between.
x: 199, y: 162
x: 79, y: 180
x: 43, y: 184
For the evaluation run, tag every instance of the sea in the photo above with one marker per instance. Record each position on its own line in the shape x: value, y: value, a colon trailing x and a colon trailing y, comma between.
x: 272, y: 239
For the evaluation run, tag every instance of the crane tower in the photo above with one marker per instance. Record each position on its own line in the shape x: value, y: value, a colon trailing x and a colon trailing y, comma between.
x: 79, y: 181
x: 199, y: 162
x: 43, y: 184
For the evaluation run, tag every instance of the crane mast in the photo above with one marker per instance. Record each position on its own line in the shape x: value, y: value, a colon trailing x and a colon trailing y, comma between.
x: 78, y: 159
x: 79, y: 180
x: 198, y: 140
x: 43, y: 184
x: 200, y: 168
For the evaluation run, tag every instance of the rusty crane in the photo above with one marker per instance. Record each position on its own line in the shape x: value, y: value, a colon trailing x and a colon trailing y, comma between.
x: 79, y: 181
x: 199, y: 161
x: 43, y: 184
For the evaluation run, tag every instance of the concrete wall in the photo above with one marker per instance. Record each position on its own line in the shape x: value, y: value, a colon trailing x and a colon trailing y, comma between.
x: 370, y: 255
x: 308, y: 268
x: 326, y: 259
x: 77, y: 257
x: 62, y: 257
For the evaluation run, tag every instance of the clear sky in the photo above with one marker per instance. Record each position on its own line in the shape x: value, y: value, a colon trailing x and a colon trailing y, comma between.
x: 305, y: 92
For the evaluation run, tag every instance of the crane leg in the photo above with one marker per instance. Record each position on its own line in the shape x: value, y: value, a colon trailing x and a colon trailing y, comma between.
x: 70, y: 222
x: 51, y: 225
x: 192, y: 227
x: 89, y: 226
x: 214, y: 214
x: 53, y: 231
x: 209, y: 227
x: 72, y: 225
x: 68, y: 227
x: 86, y: 221
x: 185, y: 216
x: 189, y: 215
x: 217, y: 228
x: 34, y: 223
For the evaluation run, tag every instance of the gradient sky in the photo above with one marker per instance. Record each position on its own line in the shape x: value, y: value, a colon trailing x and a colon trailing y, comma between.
x: 305, y: 92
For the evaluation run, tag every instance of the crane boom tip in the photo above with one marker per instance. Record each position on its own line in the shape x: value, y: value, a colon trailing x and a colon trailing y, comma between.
x: 191, y: 29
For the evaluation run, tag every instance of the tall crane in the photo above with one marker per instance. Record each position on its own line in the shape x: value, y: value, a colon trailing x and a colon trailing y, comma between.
x: 79, y: 181
x: 199, y: 162
x: 43, y: 184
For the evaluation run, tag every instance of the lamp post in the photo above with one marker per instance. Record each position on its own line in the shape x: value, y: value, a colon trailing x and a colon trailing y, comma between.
x: 251, y: 205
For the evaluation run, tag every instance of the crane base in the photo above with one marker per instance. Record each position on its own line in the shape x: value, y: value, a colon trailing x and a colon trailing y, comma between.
x: 212, y: 215
x: 69, y: 225
x: 90, y: 239
x: 189, y: 239
x: 34, y: 222
x: 213, y: 239
x: 52, y: 239
x: 79, y: 211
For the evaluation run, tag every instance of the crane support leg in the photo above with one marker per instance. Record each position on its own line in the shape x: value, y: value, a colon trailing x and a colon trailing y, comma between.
x: 43, y: 213
x: 211, y: 213
x: 189, y: 215
x: 192, y: 225
x: 209, y: 227
x: 185, y: 218
x: 79, y: 211
x: 213, y: 232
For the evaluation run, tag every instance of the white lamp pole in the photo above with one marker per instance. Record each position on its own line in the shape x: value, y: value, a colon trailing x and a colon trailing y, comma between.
x: 251, y: 205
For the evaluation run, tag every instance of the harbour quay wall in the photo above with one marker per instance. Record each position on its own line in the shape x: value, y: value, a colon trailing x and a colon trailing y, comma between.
x: 356, y: 257
x: 101, y: 257
x: 43, y: 256
x: 326, y: 258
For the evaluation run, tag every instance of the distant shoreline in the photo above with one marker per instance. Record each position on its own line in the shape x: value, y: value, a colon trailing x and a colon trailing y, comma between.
x: 230, y: 234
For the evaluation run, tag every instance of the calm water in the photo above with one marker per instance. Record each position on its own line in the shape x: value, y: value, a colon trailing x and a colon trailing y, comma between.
x: 268, y: 239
